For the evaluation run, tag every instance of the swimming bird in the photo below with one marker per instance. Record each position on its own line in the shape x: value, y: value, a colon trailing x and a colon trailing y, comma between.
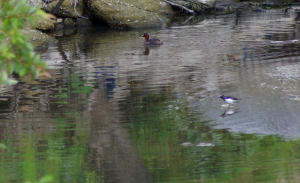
x: 229, y: 100
x: 151, y: 41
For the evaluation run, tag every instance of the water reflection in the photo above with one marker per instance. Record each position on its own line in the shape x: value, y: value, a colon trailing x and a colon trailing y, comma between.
x: 112, y: 114
x: 229, y: 112
x: 147, y: 50
x: 105, y: 77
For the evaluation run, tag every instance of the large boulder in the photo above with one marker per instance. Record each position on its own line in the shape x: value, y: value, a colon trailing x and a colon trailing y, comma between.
x: 66, y: 9
x: 130, y: 13
x: 37, y: 38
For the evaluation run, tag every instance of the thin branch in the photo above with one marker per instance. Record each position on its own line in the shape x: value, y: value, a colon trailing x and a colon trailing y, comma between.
x: 76, y: 1
x: 177, y: 5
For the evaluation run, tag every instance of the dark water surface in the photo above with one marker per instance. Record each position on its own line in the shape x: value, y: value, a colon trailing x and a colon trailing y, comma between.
x: 116, y: 111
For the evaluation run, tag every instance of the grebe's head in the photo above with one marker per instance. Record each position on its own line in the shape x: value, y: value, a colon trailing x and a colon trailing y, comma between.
x: 145, y: 35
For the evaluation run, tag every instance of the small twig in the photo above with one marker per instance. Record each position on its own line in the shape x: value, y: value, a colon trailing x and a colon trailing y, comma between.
x: 177, y: 5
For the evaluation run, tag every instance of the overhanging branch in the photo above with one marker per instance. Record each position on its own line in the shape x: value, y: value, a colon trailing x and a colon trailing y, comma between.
x: 180, y: 6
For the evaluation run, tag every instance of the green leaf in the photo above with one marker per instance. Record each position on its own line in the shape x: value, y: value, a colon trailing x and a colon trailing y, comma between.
x: 10, y: 81
x: 20, y: 40
x: 4, y: 10
x: 27, y: 56
x: 18, y: 6
x: 5, y: 24
x: 36, y: 59
x: 9, y: 55
x: 2, y: 37
x: 12, y: 2
x: 16, y: 22
x: 3, y: 76
x: 2, y: 64
x: 13, y: 40
x: 10, y: 68
x: 46, y: 179
x: 4, y: 47
x: 18, y: 67
x: 23, y: 71
x: 32, y: 10
x: 29, y: 46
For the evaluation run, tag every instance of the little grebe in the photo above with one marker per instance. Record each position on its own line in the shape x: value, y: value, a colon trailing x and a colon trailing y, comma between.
x: 151, y: 41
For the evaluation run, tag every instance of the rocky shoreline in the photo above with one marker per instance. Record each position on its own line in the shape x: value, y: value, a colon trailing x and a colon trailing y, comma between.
x: 131, y: 14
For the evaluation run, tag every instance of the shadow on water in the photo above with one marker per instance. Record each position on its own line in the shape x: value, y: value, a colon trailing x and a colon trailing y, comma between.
x: 116, y: 111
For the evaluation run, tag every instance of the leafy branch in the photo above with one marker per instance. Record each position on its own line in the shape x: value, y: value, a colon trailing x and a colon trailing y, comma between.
x: 16, y: 52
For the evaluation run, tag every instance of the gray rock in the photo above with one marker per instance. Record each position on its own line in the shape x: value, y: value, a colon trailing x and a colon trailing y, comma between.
x: 82, y: 22
x: 44, y: 24
x: 66, y: 9
x: 130, y: 13
x: 69, y: 22
x: 37, y: 38
x: 35, y: 3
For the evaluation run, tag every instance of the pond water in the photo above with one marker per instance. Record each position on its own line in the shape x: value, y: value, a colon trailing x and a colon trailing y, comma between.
x: 115, y: 111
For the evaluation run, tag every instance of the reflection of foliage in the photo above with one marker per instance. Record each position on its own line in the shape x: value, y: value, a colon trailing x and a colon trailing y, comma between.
x: 55, y: 156
x: 160, y: 128
x: 17, y: 53
x: 80, y: 86
x: 76, y: 86
x: 29, y: 165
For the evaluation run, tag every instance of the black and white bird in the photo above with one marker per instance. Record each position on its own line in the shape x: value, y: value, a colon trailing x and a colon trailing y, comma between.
x: 229, y: 100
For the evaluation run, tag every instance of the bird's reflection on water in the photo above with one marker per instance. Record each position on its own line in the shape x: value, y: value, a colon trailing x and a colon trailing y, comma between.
x: 229, y: 112
x: 147, y: 48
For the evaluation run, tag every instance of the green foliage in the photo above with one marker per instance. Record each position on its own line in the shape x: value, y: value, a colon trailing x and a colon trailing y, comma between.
x: 16, y: 52
x: 53, y: 156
